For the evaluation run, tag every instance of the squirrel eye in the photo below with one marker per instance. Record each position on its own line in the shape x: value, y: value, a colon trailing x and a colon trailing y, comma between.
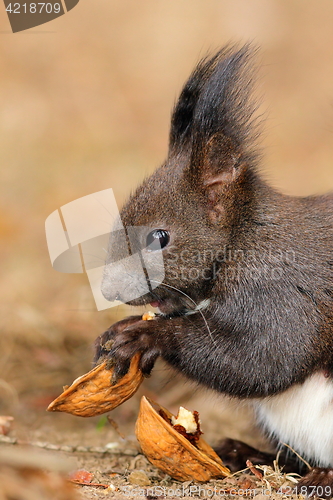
x: 157, y: 239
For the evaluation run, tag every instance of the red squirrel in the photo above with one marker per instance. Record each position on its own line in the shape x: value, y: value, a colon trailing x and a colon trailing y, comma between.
x: 246, y: 304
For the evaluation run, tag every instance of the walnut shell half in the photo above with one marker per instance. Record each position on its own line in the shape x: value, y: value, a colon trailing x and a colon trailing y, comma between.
x: 92, y: 394
x: 173, y: 453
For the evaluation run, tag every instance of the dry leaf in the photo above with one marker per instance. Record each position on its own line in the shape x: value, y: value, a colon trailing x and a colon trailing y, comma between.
x: 81, y: 476
x: 5, y: 424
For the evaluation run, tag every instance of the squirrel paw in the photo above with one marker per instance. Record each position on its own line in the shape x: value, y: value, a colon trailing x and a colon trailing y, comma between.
x: 234, y: 454
x: 125, y: 338
x: 318, y: 483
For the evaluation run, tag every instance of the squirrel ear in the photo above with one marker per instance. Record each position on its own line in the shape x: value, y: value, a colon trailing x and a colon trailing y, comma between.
x: 220, y: 160
x: 214, y: 173
x: 216, y: 166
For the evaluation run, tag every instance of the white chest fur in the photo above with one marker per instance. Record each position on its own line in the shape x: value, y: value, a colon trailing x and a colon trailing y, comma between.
x: 302, y: 417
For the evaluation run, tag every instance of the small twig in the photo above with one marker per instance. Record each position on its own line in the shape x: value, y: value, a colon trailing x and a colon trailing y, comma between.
x: 96, y: 485
x: 298, y: 456
x: 254, y: 470
x: 115, y: 426
x: 68, y: 448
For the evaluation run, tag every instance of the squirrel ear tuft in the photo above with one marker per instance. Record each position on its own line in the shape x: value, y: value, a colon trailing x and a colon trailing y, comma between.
x: 183, y: 112
x: 214, y: 122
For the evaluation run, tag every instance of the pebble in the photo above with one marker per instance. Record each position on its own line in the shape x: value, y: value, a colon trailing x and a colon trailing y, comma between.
x: 111, y: 446
x: 139, y: 477
x: 8, y: 440
x: 50, y: 446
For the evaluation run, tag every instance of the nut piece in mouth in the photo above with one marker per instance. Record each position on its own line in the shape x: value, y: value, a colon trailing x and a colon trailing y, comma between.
x: 93, y: 393
x: 148, y: 316
x: 173, y: 452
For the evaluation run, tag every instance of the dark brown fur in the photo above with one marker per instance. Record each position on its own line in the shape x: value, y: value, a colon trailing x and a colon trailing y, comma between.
x: 263, y: 259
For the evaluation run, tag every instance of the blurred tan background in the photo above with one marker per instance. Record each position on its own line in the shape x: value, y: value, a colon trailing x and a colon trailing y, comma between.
x: 85, y: 103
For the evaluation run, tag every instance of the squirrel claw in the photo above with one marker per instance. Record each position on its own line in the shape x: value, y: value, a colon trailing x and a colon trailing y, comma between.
x: 317, y: 483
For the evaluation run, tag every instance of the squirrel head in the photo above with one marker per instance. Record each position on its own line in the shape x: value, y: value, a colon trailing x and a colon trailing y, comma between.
x: 191, y: 208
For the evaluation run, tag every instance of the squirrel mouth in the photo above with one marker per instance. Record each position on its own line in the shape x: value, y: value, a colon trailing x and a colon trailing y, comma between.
x: 168, y: 307
x: 162, y: 306
x: 156, y: 303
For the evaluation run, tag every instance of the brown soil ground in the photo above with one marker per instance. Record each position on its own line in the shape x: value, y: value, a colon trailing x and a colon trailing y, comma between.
x: 111, y: 454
